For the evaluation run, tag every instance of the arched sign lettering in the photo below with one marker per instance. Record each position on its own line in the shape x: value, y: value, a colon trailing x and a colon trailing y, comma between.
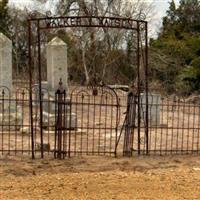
x: 88, y: 21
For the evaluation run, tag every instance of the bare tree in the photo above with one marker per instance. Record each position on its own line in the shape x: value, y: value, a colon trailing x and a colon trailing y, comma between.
x: 93, y: 39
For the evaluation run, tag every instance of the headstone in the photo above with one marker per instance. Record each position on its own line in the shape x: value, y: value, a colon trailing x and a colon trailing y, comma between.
x: 57, y: 63
x: 49, y: 118
x: 49, y: 108
x: 56, y: 71
x: 5, y: 61
x: 11, y: 117
x: 154, y: 108
x: 36, y: 94
x: 10, y: 113
x: 69, y: 120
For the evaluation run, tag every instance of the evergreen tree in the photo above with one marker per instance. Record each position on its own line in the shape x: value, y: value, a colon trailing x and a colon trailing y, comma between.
x: 179, y: 41
x: 170, y: 19
x: 4, y: 18
x: 189, y: 16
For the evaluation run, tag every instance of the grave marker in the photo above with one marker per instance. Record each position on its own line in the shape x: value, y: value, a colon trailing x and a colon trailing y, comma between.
x: 5, y: 61
x: 57, y: 63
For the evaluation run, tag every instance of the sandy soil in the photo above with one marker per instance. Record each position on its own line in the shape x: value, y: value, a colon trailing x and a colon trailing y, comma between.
x: 100, y: 178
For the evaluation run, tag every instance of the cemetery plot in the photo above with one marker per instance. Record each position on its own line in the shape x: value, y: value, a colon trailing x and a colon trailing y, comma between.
x: 88, y: 120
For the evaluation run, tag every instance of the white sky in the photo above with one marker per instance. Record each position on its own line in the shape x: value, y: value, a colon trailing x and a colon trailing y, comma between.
x: 161, y: 6
x: 160, y: 10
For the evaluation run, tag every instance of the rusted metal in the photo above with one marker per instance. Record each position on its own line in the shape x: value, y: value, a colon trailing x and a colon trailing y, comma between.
x: 30, y: 88
x: 79, y: 21
x: 98, y: 119
x: 146, y: 90
x: 88, y: 21
x: 60, y: 121
x: 92, y: 134
x: 129, y: 125
x: 138, y: 84
x: 40, y: 88
x: 98, y: 127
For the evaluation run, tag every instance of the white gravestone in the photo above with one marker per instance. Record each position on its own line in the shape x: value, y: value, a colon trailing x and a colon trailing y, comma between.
x: 56, y: 70
x: 5, y: 62
x: 154, y: 108
x: 10, y: 113
x: 57, y: 63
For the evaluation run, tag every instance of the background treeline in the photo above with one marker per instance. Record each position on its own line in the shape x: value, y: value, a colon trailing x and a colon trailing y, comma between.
x: 109, y: 55
x: 175, y: 54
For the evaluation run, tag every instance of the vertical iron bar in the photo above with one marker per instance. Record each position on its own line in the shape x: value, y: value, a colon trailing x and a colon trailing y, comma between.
x: 2, y: 120
x: 30, y: 89
x: 167, y: 133
x: 16, y: 127
x: 173, y: 108
x: 100, y: 120
x: 183, y: 127
x: 88, y: 123
x: 188, y: 125
x: 56, y: 125
x: 82, y: 118
x: 111, y: 118
x: 70, y: 122
x: 146, y: 89
x: 138, y: 82
x: 193, y: 125
x: 116, y: 124
x: 198, y: 130
x: 177, y: 138
x: 40, y: 89
x: 161, y: 129
x: 49, y: 103
x: 75, y: 135
x: 106, y: 113
x: 93, y: 123
x: 59, y: 124
x: 9, y: 104
x: 22, y: 102
x: 64, y: 125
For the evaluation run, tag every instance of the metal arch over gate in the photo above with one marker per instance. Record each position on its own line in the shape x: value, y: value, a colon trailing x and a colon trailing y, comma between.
x: 31, y: 118
x: 140, y: 27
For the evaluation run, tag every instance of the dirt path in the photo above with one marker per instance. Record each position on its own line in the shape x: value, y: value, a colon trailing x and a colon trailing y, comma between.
x: 101, y: 178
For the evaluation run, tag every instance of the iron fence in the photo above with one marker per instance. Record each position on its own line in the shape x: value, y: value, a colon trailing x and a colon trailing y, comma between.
x: 95, y: 121
x: 173, y: 127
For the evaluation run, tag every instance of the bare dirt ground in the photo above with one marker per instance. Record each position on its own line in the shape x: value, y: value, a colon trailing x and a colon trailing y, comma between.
x: 176, y: 177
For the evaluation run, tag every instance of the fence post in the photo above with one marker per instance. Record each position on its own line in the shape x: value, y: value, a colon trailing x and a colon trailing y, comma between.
x: 59, y: 103
x: 129, y: 125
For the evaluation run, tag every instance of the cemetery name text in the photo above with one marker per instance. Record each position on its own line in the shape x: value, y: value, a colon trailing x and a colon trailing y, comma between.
x: 90, y: 22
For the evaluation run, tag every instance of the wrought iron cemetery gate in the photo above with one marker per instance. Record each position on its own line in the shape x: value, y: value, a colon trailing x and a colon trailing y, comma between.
x: 42, y: 24
x: 87, y: 122
x: 94, y: 120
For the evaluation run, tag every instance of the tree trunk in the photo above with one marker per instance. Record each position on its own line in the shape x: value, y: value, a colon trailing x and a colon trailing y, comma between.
x: 85, y: 66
